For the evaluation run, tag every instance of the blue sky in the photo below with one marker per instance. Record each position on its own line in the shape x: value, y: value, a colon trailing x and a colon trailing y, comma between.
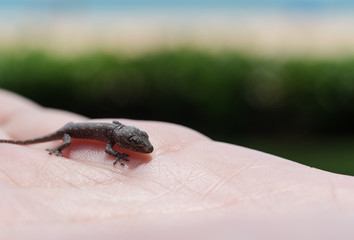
x: 302, y: 4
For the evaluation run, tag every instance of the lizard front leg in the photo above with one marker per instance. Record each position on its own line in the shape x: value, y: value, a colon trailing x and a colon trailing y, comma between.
x: 57, y: 150
x: 119, y: 156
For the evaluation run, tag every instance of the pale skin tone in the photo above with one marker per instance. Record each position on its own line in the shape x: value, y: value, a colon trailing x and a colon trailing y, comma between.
x: 189, y: 178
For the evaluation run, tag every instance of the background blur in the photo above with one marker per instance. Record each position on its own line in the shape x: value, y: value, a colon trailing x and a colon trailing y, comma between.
x: 273, y: 75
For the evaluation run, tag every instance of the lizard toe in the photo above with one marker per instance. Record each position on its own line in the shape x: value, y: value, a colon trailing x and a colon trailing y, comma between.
x: 55, y: 151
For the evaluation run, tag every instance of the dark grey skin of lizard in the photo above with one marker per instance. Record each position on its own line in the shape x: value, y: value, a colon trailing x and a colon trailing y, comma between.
x: 126, y: 137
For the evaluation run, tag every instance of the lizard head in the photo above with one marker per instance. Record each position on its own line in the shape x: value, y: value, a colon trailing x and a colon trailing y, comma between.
x: 133, y: 139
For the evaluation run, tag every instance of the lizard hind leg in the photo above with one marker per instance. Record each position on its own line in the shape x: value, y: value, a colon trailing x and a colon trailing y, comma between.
x: 57, y: 150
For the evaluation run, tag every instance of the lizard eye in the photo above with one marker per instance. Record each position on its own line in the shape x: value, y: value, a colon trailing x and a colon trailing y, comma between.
x: 135, y: 140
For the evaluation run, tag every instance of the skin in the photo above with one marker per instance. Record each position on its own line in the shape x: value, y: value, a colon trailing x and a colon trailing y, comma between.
x: 189, y: 186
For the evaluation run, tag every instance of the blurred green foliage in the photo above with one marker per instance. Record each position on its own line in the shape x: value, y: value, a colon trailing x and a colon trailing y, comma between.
x: 228, y: 96
x: 216, y: 93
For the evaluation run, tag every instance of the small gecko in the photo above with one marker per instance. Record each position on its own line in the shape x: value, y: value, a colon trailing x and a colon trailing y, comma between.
x: 126, y: 137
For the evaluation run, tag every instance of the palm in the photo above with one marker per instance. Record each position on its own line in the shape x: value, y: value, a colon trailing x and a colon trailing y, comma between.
x: 187, y: 173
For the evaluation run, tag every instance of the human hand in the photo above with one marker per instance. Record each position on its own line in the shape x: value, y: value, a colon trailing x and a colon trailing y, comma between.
x: 188, y: 180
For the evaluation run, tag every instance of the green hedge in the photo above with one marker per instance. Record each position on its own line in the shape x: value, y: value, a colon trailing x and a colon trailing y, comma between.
x: 224, y: 93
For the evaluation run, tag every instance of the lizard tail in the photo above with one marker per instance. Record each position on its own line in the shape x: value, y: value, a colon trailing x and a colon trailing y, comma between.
x: 45, y: 138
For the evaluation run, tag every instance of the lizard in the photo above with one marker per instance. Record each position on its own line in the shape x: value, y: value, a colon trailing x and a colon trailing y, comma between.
x: 126, y: 137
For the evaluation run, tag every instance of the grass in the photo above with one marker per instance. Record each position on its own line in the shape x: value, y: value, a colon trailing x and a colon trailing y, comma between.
x: 227, y: 94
